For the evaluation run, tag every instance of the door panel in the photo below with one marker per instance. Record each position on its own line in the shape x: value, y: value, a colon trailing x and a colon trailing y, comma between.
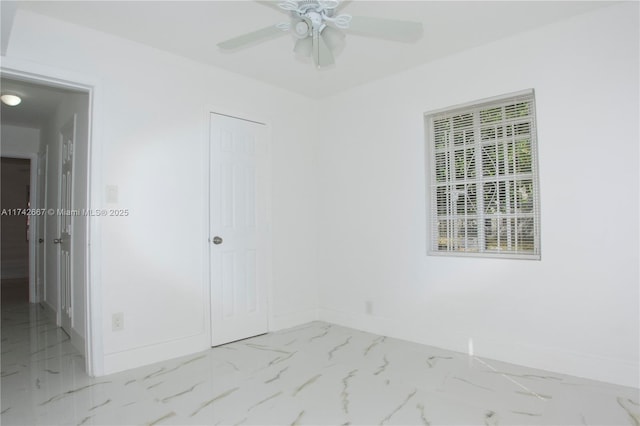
x: 41, y: 223
x: 67, y: 145
x: 240, y: 263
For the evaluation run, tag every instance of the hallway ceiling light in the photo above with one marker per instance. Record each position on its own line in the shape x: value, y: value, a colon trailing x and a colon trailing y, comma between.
x: 11, y: 100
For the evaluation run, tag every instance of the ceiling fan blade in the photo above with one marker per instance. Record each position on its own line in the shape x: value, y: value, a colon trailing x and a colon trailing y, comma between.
x: 389, y: 29
x: 272, y: 4
x: 252, y: 38
x: 322, y: 55
x: 342, y: 5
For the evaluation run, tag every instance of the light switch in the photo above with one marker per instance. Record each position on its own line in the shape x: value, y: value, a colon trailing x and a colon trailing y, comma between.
x: 112, y: 194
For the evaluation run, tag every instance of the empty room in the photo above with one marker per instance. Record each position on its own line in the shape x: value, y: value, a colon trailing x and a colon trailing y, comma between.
x: 320, y: 212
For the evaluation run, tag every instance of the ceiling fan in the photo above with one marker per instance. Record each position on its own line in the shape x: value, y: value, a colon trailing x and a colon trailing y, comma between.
x: 318, y: 25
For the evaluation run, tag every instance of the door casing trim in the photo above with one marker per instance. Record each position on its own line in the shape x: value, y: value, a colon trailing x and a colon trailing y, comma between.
x: 42, y: 74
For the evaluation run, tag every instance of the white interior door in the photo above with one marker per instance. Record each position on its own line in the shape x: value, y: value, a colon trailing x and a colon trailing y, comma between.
x: 240, y: 228
x: 67, y: 145
x: 41, y: 223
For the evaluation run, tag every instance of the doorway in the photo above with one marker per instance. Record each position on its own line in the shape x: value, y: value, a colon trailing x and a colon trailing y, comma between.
x: 15, y: 194
x: 61, y: 189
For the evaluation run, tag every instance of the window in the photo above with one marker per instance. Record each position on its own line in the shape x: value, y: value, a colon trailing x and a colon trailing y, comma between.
x: 483, y: 178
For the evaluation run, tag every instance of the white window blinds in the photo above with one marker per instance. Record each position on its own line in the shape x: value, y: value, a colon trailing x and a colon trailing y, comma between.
x: 483, y: 178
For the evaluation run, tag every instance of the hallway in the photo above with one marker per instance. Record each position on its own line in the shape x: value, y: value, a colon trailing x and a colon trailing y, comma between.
x: 15, y: 291
x: 313, y: 374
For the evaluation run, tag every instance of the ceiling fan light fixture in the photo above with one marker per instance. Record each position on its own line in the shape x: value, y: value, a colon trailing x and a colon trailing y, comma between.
x: 301, y: 29
x: 304, y: 47
x: 333, y: 37
x: 11, y: 100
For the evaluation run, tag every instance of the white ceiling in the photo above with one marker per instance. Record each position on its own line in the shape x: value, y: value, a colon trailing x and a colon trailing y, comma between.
x: 192, y: 29
x: 38, y: 104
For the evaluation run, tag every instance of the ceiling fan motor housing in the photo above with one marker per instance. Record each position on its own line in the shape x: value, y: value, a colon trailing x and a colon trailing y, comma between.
x: 316, y: 19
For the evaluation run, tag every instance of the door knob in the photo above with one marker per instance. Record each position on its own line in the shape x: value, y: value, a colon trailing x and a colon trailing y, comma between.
x: 217, y: 240
x: 57, y: 241
x: 41, y: 240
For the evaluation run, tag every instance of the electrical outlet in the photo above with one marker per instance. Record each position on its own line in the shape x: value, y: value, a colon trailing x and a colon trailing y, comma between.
x: 117, y: 322
x: 368, y: 307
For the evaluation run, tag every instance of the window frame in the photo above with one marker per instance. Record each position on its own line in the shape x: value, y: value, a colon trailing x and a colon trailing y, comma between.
x: 431, y: 186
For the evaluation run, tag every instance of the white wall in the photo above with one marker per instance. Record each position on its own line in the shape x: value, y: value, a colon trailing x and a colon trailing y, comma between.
x: 151, y: 143
x: 577, y: 310
x: 18, y: 141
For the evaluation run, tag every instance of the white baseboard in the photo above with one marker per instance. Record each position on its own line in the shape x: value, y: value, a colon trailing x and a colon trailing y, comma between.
x: 560, y: 360
x: 77, y: 341
x: 280, y: 322
x: 50, y: 312
x: 120, y: 361
x: 585, y: 365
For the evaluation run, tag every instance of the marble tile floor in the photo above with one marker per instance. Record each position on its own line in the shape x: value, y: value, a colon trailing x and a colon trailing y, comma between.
x: 315, y: 374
